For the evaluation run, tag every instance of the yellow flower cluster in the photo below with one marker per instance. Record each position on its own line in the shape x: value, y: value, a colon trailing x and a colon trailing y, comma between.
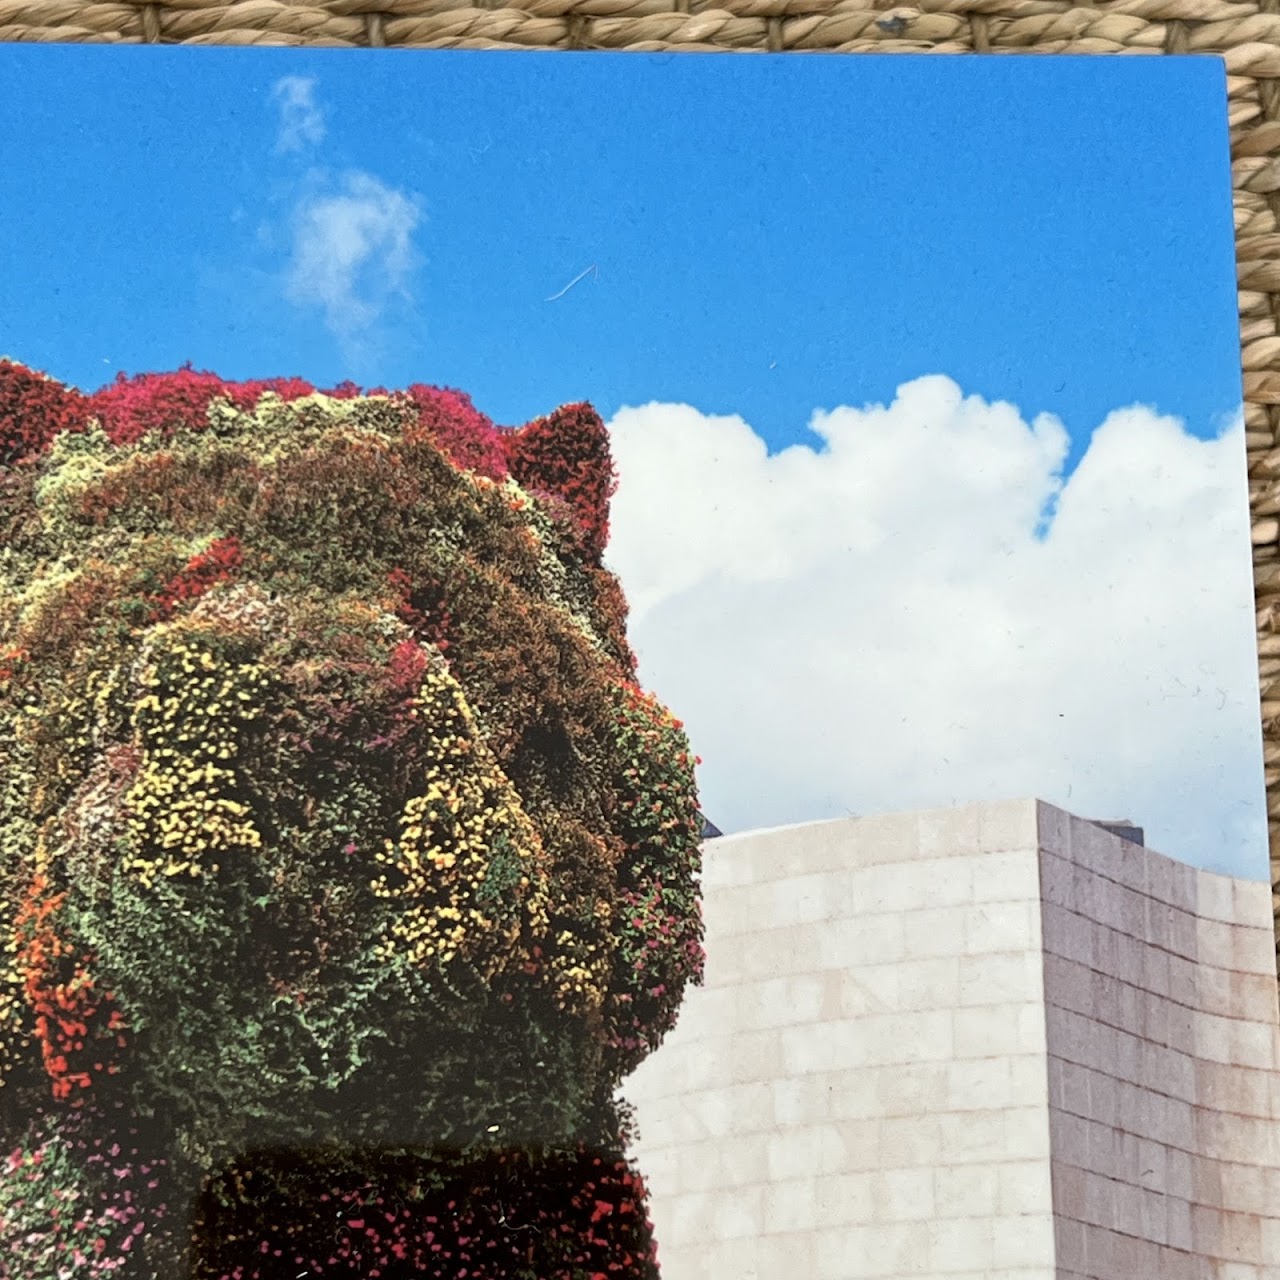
x: 460, y: 900
x: 178, y: 811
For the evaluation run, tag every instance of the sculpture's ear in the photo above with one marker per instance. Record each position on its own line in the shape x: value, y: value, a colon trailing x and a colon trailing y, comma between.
x: 566, y: 454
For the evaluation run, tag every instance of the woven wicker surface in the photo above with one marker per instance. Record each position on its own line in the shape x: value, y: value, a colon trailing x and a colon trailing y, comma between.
x: 1245, y: 35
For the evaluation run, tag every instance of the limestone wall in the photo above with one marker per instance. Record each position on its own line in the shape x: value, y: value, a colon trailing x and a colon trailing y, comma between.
x: 993, y: 1041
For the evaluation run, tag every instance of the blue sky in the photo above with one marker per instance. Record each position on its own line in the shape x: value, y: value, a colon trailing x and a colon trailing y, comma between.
x: 771, y: 234
x: 855, y: 324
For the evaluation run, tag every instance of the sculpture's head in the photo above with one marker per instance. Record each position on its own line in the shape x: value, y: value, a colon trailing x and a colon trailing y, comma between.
x: 331, y: 809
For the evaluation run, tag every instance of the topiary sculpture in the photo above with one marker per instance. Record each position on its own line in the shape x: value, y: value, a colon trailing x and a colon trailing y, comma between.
x: 345, y: 870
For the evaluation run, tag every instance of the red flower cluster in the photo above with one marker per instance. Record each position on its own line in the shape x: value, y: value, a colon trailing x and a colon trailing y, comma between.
x: 566, y: 454
x: 130, y: 407
x: 218, y: 564
x: 460, y: 430
x: 75, y: 1024
x: 33, y: 409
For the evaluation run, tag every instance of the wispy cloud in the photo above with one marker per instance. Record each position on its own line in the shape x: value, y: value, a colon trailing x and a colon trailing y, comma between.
x: 301, y: 120
x: 883, y: 621
x: 353, y: 253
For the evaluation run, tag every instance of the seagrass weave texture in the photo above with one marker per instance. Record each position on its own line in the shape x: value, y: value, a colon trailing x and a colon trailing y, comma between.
x: 1245, y: 35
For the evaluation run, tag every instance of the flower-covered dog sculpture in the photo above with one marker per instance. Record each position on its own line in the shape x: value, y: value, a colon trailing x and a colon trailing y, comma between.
x: 345, y: 870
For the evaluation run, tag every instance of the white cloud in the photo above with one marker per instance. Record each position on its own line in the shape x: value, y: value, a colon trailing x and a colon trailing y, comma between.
x: 301, y: 120
x: 874, y: 624
x: 353, y: 252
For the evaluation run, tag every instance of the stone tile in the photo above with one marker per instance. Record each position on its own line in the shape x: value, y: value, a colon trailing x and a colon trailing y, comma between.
x: 1011, y: 824
x: 1004, y: 979
x: 1067, y: 1187
x: 897, y: 1249
x: 1253, y: 906
x: 846, y: 1198
x: 1182, y: 934
x: 1180, y: 1181
x: 988, y: 1030
x: 966, y: 1191
x: 789, y: 1205
x: 908, y: 1036
x: 933, y: 931
x: 1066, y: 933
x: 1029, y: 1079
x: 872, y: 939
x: 1159, y: 880
x: 974, y: 1138
x: 1158, y: 924
x: 867, y: 989
x: 743, y: 1159
x: 1022, y: 1241
x: 1244, y: 1190
x: 835, y: 1250
x: 914, y: 1089
x: 1069, y: 1243
x: 1130, y: 956
x: 1057, y: 885
x: 929, y: 984
x: 1032, y: 1029
x: 1252, y: 1044
x: 864, y: 1146
x: 801, y: 1152
x: 1255, y: 996
x: 1002, y: 926
x: 1254, y: 952
x: 737, y: 1216
x: 781, y: 1002
x: 856, y: 1094
x: 1178, y: 1223
x: 893, y: 837
x: 1054, y: 828
x: 1183, y: 985
x: 754, y: 1056
x: 1155, y: 970
x: 822, y: 1047
x: 909, y: 1141
x: 1215, y: 898
x: 1182, y: 886
x: 1242, y: 1091
x: 895, y: 887
x: 1026, y: 1133
x: 950, y: 832
x: 776, y: 1256
x: 954, y: 1239
x: 978, y: 1084
x: 902, y: 1195
x: 738, y: 1257
x: 810, y: 1099
x: 1007, y: 877
x: 1068, y: 984
x: 1025, y: 1188
x: 1176, y: 1264
x: 691, y: 1218
x: 1242, y: 1237
x: 1215, y: 945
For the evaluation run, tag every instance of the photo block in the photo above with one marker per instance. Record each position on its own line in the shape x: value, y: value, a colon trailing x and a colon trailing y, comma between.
x: 627, y: 668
